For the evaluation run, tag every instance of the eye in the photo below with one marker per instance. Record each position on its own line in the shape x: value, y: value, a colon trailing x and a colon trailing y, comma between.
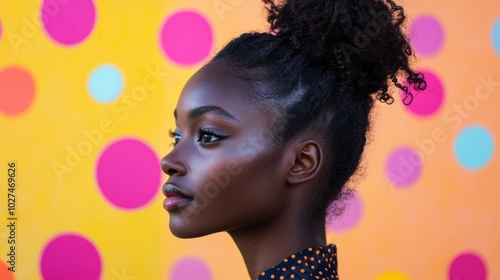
x: 176, y: 136
x: 207, y: 136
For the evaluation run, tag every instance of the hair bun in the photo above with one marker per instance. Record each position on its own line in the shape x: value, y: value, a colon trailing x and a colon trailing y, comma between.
x: 361, y: 38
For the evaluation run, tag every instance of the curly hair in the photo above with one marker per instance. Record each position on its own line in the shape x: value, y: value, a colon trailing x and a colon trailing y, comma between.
x: 322, y: 66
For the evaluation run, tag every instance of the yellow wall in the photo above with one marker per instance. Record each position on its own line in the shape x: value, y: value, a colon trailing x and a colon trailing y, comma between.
x: 426, y: 207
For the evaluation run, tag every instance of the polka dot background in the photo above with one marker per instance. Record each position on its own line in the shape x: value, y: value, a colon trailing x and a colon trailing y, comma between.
x: 427, y: 35
x: 186, y: 37
x: 70, y: 256
x: 128, y: 173
x: 474, y: 147
x: 427, y: 102
x: 190, y: 268
x: 17, y: 91
x: 352, y: 212
x: 105, y: 83
x: 87, y: 90
x: 495, y: 36
x: 68, y: 22
x: 403, y: 167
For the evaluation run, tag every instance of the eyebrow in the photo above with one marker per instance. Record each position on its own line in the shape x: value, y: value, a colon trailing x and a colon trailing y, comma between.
x: 202, y: 110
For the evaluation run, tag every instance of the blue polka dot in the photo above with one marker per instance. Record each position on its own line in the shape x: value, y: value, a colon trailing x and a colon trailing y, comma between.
x: 495, y: 36
x: 106, y: 83
x: 474, y: 147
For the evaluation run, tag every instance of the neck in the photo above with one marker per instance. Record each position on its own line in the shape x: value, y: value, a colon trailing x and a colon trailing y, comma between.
x: 266, y: 245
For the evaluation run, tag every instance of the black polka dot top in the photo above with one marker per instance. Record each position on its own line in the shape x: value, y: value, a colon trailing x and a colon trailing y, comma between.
x: 311, y: 263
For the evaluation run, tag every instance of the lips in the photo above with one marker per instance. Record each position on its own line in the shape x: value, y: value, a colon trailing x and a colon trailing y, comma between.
x: 175, y: 198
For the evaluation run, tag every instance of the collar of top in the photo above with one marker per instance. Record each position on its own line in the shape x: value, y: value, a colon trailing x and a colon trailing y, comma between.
x: 311, y: 263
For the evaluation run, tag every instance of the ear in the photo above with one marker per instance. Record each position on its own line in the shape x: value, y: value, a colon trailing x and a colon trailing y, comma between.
x: 308, y: 158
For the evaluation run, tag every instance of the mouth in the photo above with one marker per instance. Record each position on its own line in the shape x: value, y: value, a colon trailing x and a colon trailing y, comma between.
x: 175, y: 197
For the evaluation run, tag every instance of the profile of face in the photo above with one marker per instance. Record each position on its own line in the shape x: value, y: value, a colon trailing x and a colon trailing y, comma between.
x: 225, y: 172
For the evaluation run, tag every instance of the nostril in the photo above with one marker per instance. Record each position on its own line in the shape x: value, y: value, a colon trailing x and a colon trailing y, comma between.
x: 171, y: 171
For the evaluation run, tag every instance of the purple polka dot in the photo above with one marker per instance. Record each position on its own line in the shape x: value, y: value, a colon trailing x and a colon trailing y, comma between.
x: 403, y: 167
x: 70, y: 257
x: 427, y: 35
x: 128, y: 173
x: 190, y: 268
x: 68, y: 22
x: 427, y: 102
x: 353, y: 212
x: 467, y: 266
x: 186, y: 37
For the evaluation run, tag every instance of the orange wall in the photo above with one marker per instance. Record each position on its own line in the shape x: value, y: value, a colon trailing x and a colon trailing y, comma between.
x: 78, y: 101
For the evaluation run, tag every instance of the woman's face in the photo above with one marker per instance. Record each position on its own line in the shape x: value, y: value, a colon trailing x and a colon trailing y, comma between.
x: 225, y: 165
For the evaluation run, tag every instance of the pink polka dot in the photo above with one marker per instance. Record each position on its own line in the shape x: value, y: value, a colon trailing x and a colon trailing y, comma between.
x: 68, y: 22
x: 70, y: 256
x: 403, y: 167
x: 353, y: 212
x: 190, y: 268
x: 1, y: 29
x: 467, y: 266
x: 427, y: 102
x: 186, y: 37
x: 128, y: 173
x: 427, y: 35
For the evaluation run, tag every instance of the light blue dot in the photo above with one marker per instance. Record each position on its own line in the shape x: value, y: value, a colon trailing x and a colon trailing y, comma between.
x: 474, y: 147
x: 495, y: 36
x: 106, y: 83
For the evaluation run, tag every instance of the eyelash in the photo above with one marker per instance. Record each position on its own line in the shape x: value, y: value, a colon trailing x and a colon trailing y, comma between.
x: 201, y: 132
x: 175, y: 136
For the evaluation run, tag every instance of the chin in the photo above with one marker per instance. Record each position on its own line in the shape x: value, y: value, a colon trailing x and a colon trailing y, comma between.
x: 186, y: 231
x: 182, y: 234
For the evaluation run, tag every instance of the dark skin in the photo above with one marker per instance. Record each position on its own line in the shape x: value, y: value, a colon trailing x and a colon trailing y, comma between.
x: 237, y: 179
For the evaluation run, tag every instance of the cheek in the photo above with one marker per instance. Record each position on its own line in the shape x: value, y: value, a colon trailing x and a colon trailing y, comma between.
x: 234, y: 186
x: 241, y: 189
x: 229, y: 194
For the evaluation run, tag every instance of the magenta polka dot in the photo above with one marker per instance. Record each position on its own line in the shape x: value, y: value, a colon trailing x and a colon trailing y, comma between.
x: 68, y: 22
x: 467, y: 266
x: 70, y: 256
x: 190, y: 268
x: 427, y: 102
x: 128, y: 173
x: 403, y: 167
x: 186, y: 37
x: 427, y: 35
x: 353, y: 212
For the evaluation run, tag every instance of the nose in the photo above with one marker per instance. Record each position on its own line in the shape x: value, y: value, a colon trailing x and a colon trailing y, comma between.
x: 171, y: 165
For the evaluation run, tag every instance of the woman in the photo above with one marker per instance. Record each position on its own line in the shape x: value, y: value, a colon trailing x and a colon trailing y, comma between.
x: 271, y: 129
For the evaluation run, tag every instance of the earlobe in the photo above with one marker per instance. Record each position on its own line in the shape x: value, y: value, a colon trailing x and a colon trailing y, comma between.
x: 308, y: 158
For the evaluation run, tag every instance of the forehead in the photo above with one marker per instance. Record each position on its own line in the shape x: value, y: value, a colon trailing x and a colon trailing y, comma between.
x: 212, y: 86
